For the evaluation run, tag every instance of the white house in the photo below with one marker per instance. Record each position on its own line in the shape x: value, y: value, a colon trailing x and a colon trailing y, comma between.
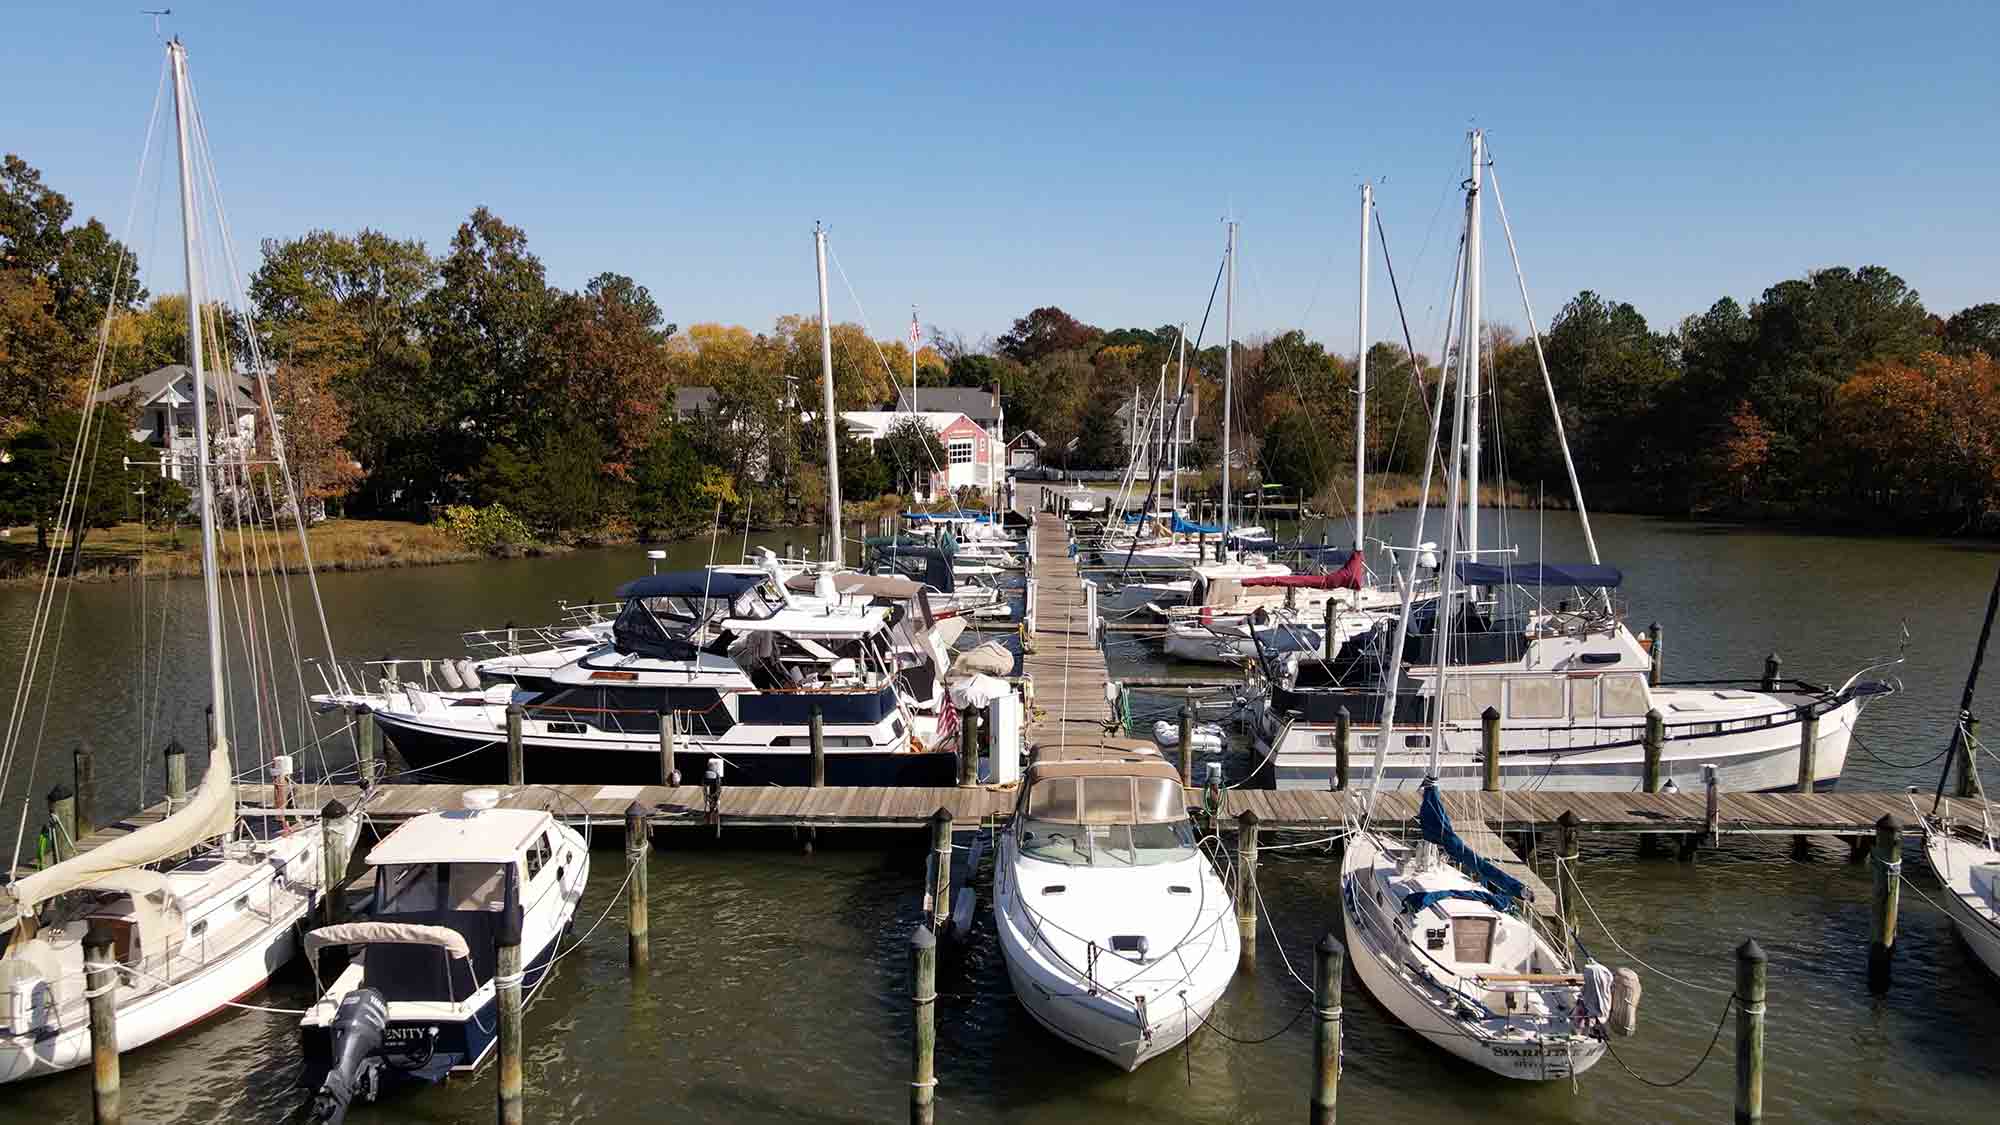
x: 973, y: 457
x: 165, y: 418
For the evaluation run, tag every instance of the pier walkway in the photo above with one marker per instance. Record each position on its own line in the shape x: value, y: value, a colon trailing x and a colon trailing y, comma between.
x: 1060, y: 650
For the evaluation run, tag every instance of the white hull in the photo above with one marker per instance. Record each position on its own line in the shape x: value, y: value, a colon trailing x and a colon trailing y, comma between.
x: 1974, y: 919
x: 1752, y: 760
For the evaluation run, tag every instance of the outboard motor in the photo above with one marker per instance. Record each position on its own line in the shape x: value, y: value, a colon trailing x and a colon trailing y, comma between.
x: 357, y: 1030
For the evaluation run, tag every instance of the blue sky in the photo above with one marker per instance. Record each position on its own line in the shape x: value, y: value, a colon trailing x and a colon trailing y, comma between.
x: 981, y: 162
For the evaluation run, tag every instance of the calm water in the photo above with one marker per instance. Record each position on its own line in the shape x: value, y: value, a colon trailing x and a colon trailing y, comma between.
x: 777, y: 988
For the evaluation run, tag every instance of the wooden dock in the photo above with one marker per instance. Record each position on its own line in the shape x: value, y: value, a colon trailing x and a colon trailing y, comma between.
x: 1061, y: 653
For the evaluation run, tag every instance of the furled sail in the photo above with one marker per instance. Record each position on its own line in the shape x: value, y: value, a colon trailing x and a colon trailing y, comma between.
x: 1436, y: 824
x: 210, y: 813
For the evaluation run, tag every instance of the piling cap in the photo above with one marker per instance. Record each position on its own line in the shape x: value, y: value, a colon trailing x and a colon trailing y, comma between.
x: 334, y: 810
x: 1751, y: 951
x: 923, y: 938
x: 60, y: 793
x: 1490, y: 714
x: 636, y: 811
x: 1330, y: 944
x: 1889, y: 823
x: 174, y: 747
x: 1567, y: 819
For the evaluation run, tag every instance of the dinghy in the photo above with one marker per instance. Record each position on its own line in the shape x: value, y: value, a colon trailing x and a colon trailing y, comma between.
x: 1116, y: 929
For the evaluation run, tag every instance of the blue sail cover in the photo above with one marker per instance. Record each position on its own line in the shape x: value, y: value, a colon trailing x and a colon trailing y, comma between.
x: 1185, y: 527
x: 1436, y: 824
x: 1418, y: 900
x: 1587, y: 575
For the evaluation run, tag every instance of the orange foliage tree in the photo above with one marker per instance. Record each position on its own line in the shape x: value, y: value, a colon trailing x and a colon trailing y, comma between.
x: 1921, y: 439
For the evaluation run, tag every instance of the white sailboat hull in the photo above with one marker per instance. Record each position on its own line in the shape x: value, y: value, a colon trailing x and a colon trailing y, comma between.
x: 1971, y: 914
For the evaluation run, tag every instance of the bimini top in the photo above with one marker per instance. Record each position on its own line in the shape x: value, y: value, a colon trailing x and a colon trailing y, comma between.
x: 719, y: 584
x: 1586, y: 575
x: 387, y: 933
x: 864, y: 585
x: 1105, y: 757
x: 460, y: 836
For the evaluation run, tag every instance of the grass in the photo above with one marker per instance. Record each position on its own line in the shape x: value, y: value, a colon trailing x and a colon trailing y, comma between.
x: 127, y: 548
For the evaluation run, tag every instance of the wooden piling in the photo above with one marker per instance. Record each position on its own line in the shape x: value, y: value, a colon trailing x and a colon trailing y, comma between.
x: 1489, y: 747
x: 1343, y: 740
x: 107, y: 1100
x: 1888, y: 874
x: 1326, y: 1028
x: 62, y: 810
x: 940, y: 894
x: 1712, y: 813
x: 1187, y: 739
x: 669, y: 736
x: 1752, y: 969
x: 1656, y: 745
x: 923, y: 1002
x: 1771, y: 666
x: 638, y: 924
x: 86, y: 785
x: 1968, y: 773
x: 507, y: 979
x: 1568, y: 849
x: 1332, y: 611
x: 177, y: 774
x: 1654, y: 638
x: 1808, y: 748
x: 368, y: 737
x: 818, y: 746
x: 333, y: 859
x: 1246, y: 889
x: 517, y: 759
x: 968, y: 746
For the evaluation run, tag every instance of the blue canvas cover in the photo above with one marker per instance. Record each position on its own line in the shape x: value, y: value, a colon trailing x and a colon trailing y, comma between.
x: 1418, y: 900
x: 1585, y: 575
x: 1182, y: 526
x: 719, y: 584
x: 1436, y: 824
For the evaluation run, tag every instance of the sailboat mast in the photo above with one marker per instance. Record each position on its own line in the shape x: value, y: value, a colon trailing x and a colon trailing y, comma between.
x: 915, y: 335
x: 1228, y: 376
x: 1361, y: 376
x: 211, y: 586
x: 1469, y: 353
x: 1180, y: 401
x: 834, y: 549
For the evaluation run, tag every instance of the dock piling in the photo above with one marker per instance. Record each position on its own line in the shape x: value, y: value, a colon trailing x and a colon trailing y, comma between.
x: 1343, y: 741
x: 1712, y: 817
x: 62, y: 810
x: 940, y: 890
x: 177, y: 774
x: 1808, y: 770
x: 86, y: 783
x: 507, y: 979
x: 1332, y: 611
x: 1968, y: 774
x: 1771, y: 666
x: 1489, y: 747
x: 369, y: 738
x: 1656, y: 745
x: 818, y: 746
x: 1568, y: 849
x: 670, y: 773
x: 638, y: 923
x: 333, y: 859
x: 1752, y: 969
x: 968, y: 746
x: 100, y: 988
x: 1888, y: 874
x: 1187, y: 739
x: 923, y: 1001
x: 517, y: 764
x: 1326, y: 1028
x: 1654, y: 638
x: 1246, y: 889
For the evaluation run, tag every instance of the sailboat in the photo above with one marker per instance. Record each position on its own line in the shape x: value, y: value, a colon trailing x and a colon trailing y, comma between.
x: 1965, y: 854
x: 1437, y: 932
x: 202, y: 906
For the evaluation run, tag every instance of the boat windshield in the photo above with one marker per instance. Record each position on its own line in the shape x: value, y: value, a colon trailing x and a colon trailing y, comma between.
x: 1107, y: 822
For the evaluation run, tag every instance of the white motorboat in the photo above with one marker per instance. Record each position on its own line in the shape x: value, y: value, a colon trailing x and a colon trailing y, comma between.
x: 1208, y: 737
x: 418, y: 1000
x: 1116, y: 929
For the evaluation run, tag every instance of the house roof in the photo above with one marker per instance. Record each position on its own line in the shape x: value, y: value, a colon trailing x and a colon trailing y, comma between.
x: 980, y: 405
x: 1026, y: 438
x: 691, y: 400
x: 150, y: 386
x: 873, y: 424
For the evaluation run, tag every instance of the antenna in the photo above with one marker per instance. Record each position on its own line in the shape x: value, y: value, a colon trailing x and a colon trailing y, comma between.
x: 156, y: 14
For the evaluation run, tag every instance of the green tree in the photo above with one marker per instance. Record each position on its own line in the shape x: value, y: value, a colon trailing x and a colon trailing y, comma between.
x: 667, y: 485
x: 1292, y: 456
x: 33, y: 479
x: 1973, y: 329
x: 863, y: 476
x: 911, y: 450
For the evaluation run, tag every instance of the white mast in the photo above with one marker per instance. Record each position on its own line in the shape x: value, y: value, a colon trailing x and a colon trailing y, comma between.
x: 190, y: 227
x: 1361, y: 376
x: 1180, y: 403
x: 1228, y: 375
x: 914, y: 336
x: 834, y: 554
x: 1469, y: 353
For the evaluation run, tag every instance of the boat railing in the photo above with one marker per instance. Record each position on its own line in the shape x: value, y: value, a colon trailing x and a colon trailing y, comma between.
x: 514, y: 640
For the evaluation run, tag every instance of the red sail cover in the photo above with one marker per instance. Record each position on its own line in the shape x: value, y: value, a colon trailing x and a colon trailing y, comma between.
x: 1348, y: 577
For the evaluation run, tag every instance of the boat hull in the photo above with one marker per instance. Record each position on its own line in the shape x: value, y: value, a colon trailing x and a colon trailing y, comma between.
x: 1977, y: 927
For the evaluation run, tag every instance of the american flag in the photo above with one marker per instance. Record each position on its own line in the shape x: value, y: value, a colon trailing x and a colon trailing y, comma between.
x: 915, y: 335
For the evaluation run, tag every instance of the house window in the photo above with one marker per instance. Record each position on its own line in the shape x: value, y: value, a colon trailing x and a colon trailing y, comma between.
x: 961, y: 452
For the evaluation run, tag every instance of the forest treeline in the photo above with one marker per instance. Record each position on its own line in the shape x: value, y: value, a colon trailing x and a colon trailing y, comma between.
x: 411, y: 381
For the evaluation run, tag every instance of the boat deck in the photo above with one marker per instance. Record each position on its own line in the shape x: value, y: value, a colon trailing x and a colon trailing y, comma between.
x: 1061, y: 655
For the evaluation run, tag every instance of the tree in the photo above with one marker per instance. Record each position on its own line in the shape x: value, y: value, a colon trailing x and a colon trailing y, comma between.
x: 38, y: 358
x: 1934, y: 424
x: 911, y: 450
x: 608, y: 346
x: 863, y: 476
x: 33, y: 480
x: 314, y: 425
x: 557, y: 485
x: 1043, y: 332
x: 1973, y: 329
x: 1291, y: 454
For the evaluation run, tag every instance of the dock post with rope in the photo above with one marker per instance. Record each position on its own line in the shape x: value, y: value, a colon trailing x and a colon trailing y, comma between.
x: 1656, y: 745
x: 1187, y: 739
x: 669, y: 734
x: 333, y: 860
x: 923, y: 1002
x: 86, y: 784
x: 62, y: 815
x: 1568, y: 848
x: 517, y: 764
x: 1328, y: 963
x: 1343, y: 737
x: 1888, y: 881
x: 100, y: 958
x: 638, y: 924
x: 507, y: 980
x: 1246, y: 888
x: 939, y: 893
x: 1752, y: 974
x: 177, y: 772
x: 368, y: 738
x: 1489, y: 748
x: 1808, y: 768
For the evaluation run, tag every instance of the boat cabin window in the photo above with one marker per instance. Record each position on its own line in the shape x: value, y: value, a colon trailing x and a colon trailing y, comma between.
x: 1534, y: 697
x: 1624, y: 695
x: 1468, y: 697
x: 1583, y: 697
x: 419, y: 888
x: 1472, y: 940
x: 538, y: 855
x: 1106, y: 821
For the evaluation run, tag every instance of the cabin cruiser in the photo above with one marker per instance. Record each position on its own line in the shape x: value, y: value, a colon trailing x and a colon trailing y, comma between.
x: 1116, y: 929
x: 1570, y: 684
x: 739, y: 663
x: 418, y: 1000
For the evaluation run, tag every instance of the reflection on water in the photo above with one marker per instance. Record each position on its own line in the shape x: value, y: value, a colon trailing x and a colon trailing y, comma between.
x: 778, y: 987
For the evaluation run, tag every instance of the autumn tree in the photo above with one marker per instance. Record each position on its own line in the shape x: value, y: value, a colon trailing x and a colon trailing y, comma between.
x: 1921, y: 440
x: 1044, y: 332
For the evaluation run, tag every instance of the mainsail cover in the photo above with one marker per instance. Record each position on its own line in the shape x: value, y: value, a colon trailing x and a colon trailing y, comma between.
x: 1436, y: 824
x: 210, y: 813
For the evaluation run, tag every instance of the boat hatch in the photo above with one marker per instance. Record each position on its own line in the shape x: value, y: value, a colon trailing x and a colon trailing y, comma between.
x: 1055, y: 888
x: 1178, y: 889
x: 1734, y: 695
x: 1135, y: 944
x: 1599, y: 658
x: 1687, y: 706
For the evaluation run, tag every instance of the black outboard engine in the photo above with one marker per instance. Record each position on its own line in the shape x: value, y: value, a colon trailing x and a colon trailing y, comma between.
x: 357, y: 1033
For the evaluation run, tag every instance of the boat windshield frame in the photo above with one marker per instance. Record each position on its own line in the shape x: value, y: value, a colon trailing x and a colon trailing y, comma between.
x: 1094, y: 826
